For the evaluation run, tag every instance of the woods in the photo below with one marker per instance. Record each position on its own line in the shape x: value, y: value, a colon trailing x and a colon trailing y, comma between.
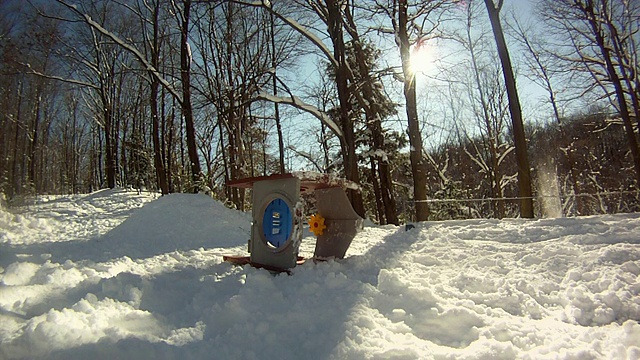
x: 504, y: 120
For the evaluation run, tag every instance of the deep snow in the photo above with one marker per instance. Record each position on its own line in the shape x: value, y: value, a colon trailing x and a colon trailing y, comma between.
x: 115, y: 274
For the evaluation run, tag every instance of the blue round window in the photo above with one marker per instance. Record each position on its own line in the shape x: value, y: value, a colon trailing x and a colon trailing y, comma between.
x: 277, y: 222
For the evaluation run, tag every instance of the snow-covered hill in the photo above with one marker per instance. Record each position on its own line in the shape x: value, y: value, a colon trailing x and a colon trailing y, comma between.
x: 114, y: 275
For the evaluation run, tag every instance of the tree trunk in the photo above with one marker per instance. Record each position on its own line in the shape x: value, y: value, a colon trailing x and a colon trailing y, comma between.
x: 169, y: 144
x: 497, y: 206
x: 117, y: 116
x: 415, y: 138
x: 110, y: 164
x: 373, y: 120
x: 161, y: 175
x: 17, y: 179
x: 524, y: 172
x: 187, y: 111
x: 617, y: 84
x: 382, y: 220
x: 334, y: 22
x: 623, y: 60
x: 276, y: 109
x: 495, y: 177
x: 33, y: 145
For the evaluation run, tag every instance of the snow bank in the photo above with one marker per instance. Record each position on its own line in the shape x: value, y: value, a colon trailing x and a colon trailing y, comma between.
x: 68, y: 218
x: 120, y: 275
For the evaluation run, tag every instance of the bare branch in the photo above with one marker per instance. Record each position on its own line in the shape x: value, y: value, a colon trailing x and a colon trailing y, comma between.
x: 299, y: 104
x: 296, y: 26
x: 307, y: 156
x: 152, y: 70
x: 32, y: 71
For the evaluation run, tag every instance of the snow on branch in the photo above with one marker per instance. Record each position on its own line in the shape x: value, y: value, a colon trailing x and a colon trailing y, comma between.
x: 296, y: 26
x: 31, y: 70
x: 152, y: 70
x: 299, y: 104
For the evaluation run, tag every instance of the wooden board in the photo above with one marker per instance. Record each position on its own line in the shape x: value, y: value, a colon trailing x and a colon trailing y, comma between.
x: 309, y: 181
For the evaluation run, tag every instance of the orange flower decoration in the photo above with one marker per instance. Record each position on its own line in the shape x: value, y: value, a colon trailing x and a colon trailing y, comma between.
x: 316, y: 224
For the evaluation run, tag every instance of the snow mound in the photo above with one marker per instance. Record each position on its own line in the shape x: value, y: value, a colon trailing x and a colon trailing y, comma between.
x: 68, y: 218
x: 177, y: 222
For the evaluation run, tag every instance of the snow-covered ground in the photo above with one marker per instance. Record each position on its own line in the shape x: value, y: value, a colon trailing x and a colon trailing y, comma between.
x: 117, y: 275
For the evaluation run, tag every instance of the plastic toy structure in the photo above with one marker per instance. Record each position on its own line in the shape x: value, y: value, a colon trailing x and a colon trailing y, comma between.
x: 277, y: 213
x: 316, y: 224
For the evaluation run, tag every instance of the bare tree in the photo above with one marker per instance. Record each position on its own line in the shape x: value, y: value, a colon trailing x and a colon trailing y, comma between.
x: 100, y: 62
x: 411, y: 22
x: 403, y: 22
x: 601, y: 36
x: 185, y: 76
x: 183, y: 16
x: 149, y: 14
x: 524, y: 171
x: 235, y: 43
x: 539, y: 60
x: 276, y: 108
x: 367, y: 90
x: 331, y: 16
x: 480, y: 78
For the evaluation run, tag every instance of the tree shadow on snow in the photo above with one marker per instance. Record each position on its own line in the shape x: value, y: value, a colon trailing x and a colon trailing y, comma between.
x: 173, y: 303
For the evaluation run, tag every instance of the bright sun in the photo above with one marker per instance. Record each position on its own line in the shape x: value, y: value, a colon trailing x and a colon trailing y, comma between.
x: 422, y: 57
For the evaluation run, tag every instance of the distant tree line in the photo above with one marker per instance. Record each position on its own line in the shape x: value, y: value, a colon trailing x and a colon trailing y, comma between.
x: 183, y: 96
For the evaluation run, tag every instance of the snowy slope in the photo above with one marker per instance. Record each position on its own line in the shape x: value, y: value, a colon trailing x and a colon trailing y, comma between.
x: 114, y: 274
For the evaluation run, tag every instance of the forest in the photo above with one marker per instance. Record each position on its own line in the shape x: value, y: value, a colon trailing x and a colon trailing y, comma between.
x: 439, y: 109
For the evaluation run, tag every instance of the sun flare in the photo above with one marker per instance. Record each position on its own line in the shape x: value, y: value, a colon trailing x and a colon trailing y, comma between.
x: 422, y: 58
